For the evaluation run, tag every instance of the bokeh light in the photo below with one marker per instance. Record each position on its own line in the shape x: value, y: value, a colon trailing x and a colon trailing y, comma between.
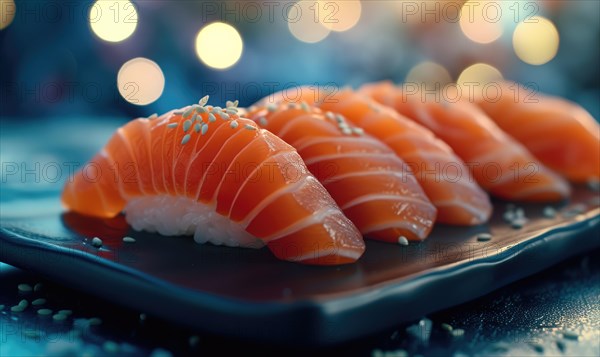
x: 429, y: 73
x: 536, y: 40
x: 304, y: 24
x: 113, y: 20
x: 480, y: 20
x: 479, y: 74
x: 219, y: 45
x: 339, y: 15
x: 7, y: 13
x: 140, y: 81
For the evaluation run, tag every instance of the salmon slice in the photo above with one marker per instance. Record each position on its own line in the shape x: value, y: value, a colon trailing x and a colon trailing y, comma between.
x: 373, y: 186
x: 500, y: 164
x: 206, y: 171
x: 443, y: 176
x: 561, y: 134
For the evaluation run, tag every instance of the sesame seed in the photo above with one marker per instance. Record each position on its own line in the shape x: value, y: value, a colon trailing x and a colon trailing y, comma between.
x: 1, y: 307
x: 457, y: 333
x: 340, y: 118
x: 172, y: 125
x: 561, y: 346
x: 153, y: 116
x: 518, y: 223
x: 537, y: 346
x: 128, y: 240
x: 38, y: 287
x: 37, y: 302
x: 571, y: 335
x: 484, y: 237
x: 249, y: 127
x: 110, y: 347
x: 196, y: 117
x: 304, y: 107
x: 65, y: 313
x: 358, y: 131
x: 231, y: 111
x: 187, y: 125
x: 24, y: 288
x: 233, y: 124
x: 271, y: 107
x: 203, y: 100
x: 44, y: 312
x: 216, y: 110
x: 20, y: 307
x: 446, y: 327
x: 508, y: 216
x: 23, y: 303
x: 224, y: 116
x: 202, y: 110
x: 549, y: 212
x: 402, y: 240
x: 211, y: 118
x: 197, y: 127
x: 519, y: 213
x: 262, y: 121
x: 343, y: 125
x: 330, y: 115
x: 185, y: 139
x: 188, y: 112
x: 292, y: 105
x: 346, y: 131
x: 59, y: 317
x: 233, y: 104
x: 143, y: 317
x: 97, y: 242
x: 204, y: 129
x: 177, y: 113
x: 95, y: 321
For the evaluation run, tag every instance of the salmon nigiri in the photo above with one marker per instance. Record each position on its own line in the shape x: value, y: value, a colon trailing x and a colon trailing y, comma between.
x: 374, y: 187
x: 499, y: 163
x: 561, y: 134
x: 206, y: 171
x: 442, y: 175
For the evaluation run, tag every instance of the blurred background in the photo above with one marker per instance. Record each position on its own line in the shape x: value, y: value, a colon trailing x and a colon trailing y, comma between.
x: 133, y: 58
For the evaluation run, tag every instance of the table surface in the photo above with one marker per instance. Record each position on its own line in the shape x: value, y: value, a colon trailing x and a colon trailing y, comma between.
x: 529, y: 317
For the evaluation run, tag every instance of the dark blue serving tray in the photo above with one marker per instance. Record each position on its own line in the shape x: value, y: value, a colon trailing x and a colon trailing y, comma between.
x: 250, y: 294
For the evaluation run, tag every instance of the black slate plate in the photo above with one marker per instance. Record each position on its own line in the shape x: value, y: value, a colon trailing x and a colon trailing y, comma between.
x: 248, y: 293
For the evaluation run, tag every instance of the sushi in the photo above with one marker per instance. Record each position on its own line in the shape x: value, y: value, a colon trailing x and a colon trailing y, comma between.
x: 499, y: 163
x: 374, y: 187
x: 561, y: 134
x: 206, y: 171
x: 443, y: 176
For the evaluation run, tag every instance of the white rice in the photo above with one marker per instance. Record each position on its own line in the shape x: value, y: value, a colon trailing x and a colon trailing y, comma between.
x: 176, y: 216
